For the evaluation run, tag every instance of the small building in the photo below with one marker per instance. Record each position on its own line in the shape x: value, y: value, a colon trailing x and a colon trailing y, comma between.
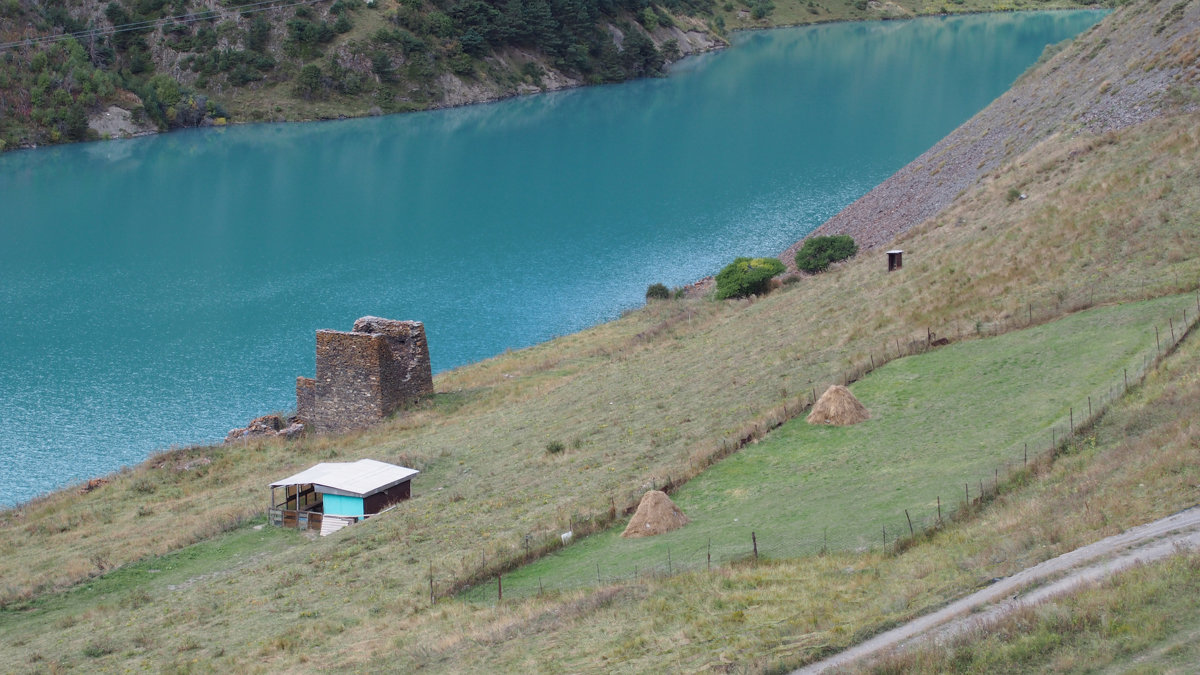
x: 331, y: 495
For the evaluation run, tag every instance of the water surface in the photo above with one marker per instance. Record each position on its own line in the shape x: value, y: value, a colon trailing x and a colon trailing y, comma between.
x: 163, y: 290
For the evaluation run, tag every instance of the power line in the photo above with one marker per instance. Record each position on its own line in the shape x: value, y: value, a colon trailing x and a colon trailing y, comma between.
x: 206, y: 15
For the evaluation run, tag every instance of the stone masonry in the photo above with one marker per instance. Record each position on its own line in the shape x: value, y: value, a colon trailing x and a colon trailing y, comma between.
x: 364, y: 375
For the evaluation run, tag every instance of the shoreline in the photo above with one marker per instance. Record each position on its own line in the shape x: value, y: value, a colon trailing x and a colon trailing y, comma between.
x: 722, y: 42
x: 694, y: 289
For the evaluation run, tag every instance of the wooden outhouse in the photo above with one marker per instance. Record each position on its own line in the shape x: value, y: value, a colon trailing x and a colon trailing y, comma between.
x: 331, y: 495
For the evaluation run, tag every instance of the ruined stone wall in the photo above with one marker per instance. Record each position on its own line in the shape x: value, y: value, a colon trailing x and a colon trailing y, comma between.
x: 306, y: 397
x: 364, y: 375
x: 405, y: 371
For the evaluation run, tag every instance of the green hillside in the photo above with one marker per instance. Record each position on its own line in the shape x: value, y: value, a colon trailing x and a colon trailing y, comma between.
x: 162, y: 568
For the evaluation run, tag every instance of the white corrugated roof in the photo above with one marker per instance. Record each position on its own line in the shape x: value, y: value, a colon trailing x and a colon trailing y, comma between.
x: 350, y: 479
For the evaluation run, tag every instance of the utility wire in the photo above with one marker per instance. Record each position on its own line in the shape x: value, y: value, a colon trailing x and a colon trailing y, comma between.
x: 206, y: 15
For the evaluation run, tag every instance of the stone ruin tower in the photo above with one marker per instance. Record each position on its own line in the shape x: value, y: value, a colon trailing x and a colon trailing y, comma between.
x: 364, y: 375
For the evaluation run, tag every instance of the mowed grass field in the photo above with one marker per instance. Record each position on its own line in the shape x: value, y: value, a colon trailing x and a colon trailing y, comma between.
x: 942, y: 419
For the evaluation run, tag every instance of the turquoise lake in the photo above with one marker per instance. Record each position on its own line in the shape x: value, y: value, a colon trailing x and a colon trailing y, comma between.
x: 161, y: 291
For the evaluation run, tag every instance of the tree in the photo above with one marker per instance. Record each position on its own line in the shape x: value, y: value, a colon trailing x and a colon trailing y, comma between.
x: 657, y: 292
x: 308, y: 84
x: 818, y: 252
x: 747, y: 276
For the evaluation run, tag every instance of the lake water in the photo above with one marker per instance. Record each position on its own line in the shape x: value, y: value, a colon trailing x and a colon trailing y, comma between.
x: 160, y: 291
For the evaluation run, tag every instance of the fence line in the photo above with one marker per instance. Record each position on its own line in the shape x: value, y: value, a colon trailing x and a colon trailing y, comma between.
x: 894, y: 535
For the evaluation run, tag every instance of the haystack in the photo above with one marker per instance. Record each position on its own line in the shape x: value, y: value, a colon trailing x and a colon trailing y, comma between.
x: 655, y: 514
x: 838, y: 406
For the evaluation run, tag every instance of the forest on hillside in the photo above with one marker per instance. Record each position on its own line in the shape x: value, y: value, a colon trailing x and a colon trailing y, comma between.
x: 180, y: 63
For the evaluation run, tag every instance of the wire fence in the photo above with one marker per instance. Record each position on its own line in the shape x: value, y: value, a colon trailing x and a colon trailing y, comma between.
x: 745, y: 542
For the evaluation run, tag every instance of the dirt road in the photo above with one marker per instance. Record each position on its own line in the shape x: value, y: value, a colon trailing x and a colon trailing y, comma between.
x: 1067, y: 572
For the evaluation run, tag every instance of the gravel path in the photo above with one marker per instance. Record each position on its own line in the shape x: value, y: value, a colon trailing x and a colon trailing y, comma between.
x: 1067, y: 572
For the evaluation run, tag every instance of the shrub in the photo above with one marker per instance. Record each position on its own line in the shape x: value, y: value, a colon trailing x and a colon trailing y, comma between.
x: 759, y: 9
x: 657, y: 292
x: 747, y: 276
x: 818, y: 252
x: 555, y: 447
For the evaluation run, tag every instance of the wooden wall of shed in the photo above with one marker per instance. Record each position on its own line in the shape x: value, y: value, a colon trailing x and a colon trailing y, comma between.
x: 381, y: 500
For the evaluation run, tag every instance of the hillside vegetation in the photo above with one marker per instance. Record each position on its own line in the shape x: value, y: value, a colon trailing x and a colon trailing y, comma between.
x: 85, y: 69
x: 103, y: 581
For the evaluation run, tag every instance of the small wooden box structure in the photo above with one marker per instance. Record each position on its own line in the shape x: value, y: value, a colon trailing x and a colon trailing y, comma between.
x: 331, y: 495
x: 895, y: 260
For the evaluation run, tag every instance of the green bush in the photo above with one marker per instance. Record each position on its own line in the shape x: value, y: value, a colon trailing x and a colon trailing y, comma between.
x: 657, y: 292
x: 818, y: 252
x: 555, y: 447
x: 747, y: 276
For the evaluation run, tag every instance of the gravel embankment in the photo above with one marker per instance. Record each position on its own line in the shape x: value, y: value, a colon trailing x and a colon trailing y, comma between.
x: 1140, y: 62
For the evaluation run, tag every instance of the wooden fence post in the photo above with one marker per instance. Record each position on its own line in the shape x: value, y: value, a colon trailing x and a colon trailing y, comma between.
x: 939, y: 509
x: 754, y: 540
x: 910, y: 527
x: 499, y: 589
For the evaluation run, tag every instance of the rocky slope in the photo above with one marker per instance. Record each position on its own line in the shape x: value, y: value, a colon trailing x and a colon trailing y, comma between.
x: 1141, y: 63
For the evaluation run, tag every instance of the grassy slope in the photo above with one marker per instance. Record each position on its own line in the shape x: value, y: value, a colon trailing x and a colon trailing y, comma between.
x: 1093, y: 231
x: 779, y: 612
x: 938, y: 419
x: 1137, y: 464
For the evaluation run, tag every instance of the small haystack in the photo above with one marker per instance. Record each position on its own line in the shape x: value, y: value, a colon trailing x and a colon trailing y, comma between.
x: 838, y: 406
x: 655, y: 514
